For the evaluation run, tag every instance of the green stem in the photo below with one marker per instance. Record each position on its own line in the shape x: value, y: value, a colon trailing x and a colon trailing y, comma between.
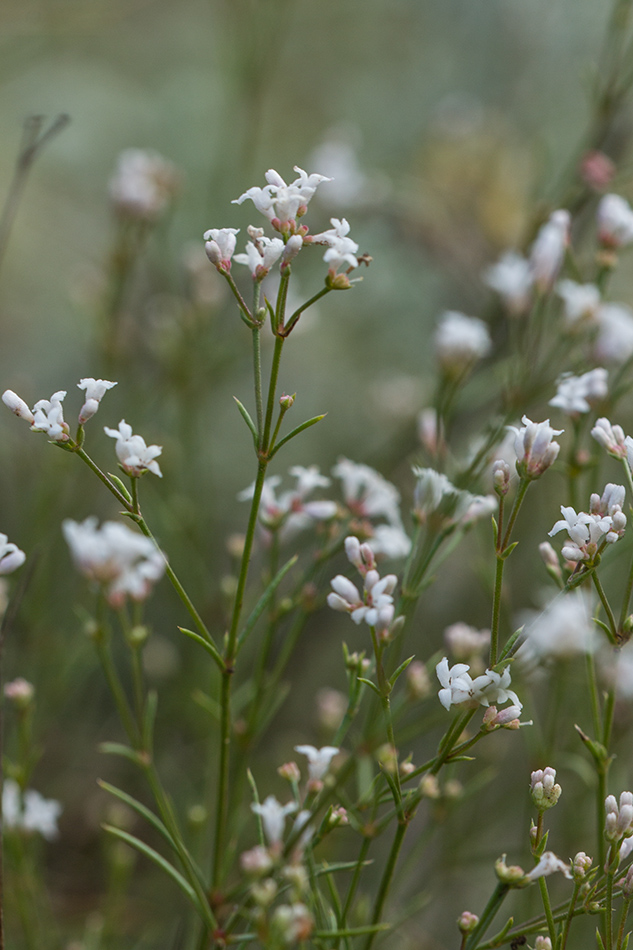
x: 118, y: 693
x: 257, y: 372
x: 496, y: 611
x: 625, y: 913
x: 104, y: 478
x: 295, y: 316
x: 608, y: 912
x: 569, y: 917
x: 607, y: 608
x: 498, y: 896
x: 221, y: 813
x: 518, y: 501
x: 386, y: 877
x: 272, y: 389
x: 551, y: 926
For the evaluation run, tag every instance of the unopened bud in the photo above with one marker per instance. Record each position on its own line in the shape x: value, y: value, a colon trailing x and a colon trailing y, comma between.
x: 338, y: 816
x: 264, y: 892
x: 550, y: 559
x: 292, y: 248
x: 580, y: 866
x: 406, y: 768
x: 388, y: 757
x: 20, y: 692
x: 626, y: 883
x: 467, y: 922
x: 501, y: 477
x: 290, y: 771
x: 286, y: 402
x: 257, y: 861
x: 512, y: 874
x: 430, y: 787
x: 235, y: 545
x: 17, y: 405
x: 544, y: 790
x: 138, y: 635
x: 543, y: 943
x: 197, y: 815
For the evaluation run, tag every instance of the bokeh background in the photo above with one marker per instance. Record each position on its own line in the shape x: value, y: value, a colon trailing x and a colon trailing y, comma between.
x: 449, y: 126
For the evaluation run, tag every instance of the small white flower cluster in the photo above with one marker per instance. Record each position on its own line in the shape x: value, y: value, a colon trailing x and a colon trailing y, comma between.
x: 514, y: 277
x: 590, y: 531
x: 435, y: 494
x: 11, y: 557
x: 135, y: 457
x: 460, y: 342
x: 29, y: 812
x: 459, y: 687
x: 534, y: 447
x: 126, y: 563
x: 619, y: 818
x: 544, y: 789
x: 47, y: 415
x: 290, y: 512
x: 466, y: 642
x: 563, y: 629
x: 375, y: 606
x: 578, y: 394
x: 612, y: 438
x: 283, y: 204
x: 143, y: 184
x: 370, y: 497
x: 612, y: 323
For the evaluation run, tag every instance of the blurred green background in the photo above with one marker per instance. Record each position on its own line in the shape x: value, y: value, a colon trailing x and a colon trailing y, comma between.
x: 455, y: 119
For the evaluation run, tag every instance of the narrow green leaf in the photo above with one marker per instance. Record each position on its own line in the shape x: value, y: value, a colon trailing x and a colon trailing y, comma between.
x: 352, y: 931
x: 149, y: 719
x: 258, y: 818
x: 361, y: 679
x: 599, y: 940
x: 341, y: 866
x: 117, y: 748
x: 176, y: 876
x: 138, y: 807
x: 626, y: 941
x: 121, y: 486
x: 508, y: 551
x: 247, y: 419
x: 603, y: 627
x: 264, y: 600
x: 334, y: 897
x: 208, y: 646
x: 400, y: 670
x: 508, y: 649
x: 208, y: 703
x: 291, y: 435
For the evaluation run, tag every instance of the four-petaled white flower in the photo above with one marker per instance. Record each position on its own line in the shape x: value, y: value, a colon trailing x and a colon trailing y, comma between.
x: 95, y: 391
x: 375, y: 607
x: 134, y: 455
x: 219, y: 246
x: 577, y: 393
x: 11, y: 557
x: 460, y: 341
x: 548, y: 250
x: 456, y: 682
x: 615, y: 221
x: 48, y: 417
x: 492, y: 687
x: 318, y: 759
x: 282, y: 204
x: 260, y: 255
x: 534, y: 448
x: 273, y: 816
x: 341, y: 250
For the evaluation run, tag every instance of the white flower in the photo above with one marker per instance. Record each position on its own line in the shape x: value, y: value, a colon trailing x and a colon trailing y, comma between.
x: 17, y: 405
x: 548, y: 251
x: 30, y: 812
x: 341, y: 250
x: 461, y: 341
x: 586, y: 531
x: 392, y: 541
x: 375, y: 607
x: 548, y: 864
x: 492, y: 687
x: 282, y: 203
x: 290, y: 512
x: 11, y: 557
x: 261, y: 255
x: 124, y: 561
x: 370, y: 496
x: 273, y: 816
x: 611, y: 437
x: 615, y: 221
x: 143, y: 184
x: 318, y: 759
x: 134, y: 455
x: 456, y: 683
x: 576, y: 393
x: 580, y: 301
x: 534, y: 448
x: 563, y: 629
x: 511, y: 277
x: 48, y: 416
x: 95, y: 391
x: 614, y: 341
x: 219, y: 246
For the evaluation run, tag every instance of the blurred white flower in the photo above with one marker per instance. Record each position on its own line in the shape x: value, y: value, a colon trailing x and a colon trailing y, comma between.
x: 465, y: 641
x: 134, y: 455
x: 370, y: 496
x: 11, y: 557
x: 460, y: 341
x: 610, y: 437
x: 548, y: 251
x: 580, y: 302
x: 273, y: 816
x: 95, y: 391
x: 563, y: 629
x: 615, y: 221
x: 576, y: 394
x: 512, y: 279
x: 614, y: 342
x: 30, y: 811
x: 290, y: 512
x: 319, y: 760
x: 125, y: 562
x: 143, y: 184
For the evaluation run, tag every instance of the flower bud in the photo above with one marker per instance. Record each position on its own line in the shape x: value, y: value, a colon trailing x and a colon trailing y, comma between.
x: 544, y: 790
x: 430, y: 787
x: 580, y: 866
x: 512, y: 874
x: 257, y: 861
x: 467, y: 922
x: 286, y: 402
x: 20, y: 692
x: 264, y: 892
x: 550, y: 559
x: 290, y: 771
x: 543, y: 943
x: 501, y: 477
x: 417, y: 680
x: 17, y: 405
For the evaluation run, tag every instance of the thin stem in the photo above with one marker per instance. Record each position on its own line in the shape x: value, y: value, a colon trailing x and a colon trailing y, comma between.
x: 607, y: 608
x: 272, y: 388
x: 498, y: 896
x: 551, y: 926
x: 116, y: 688
x: 569, y: 917
x: 240, y: 300
x: 496, y: 611
x: 295, y: 316
x: 257, y: 372
x: 386, y: 877
x: 104, y: 478
x: 221, y: 812
x: 518, y: 501
x: 625, y: 913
